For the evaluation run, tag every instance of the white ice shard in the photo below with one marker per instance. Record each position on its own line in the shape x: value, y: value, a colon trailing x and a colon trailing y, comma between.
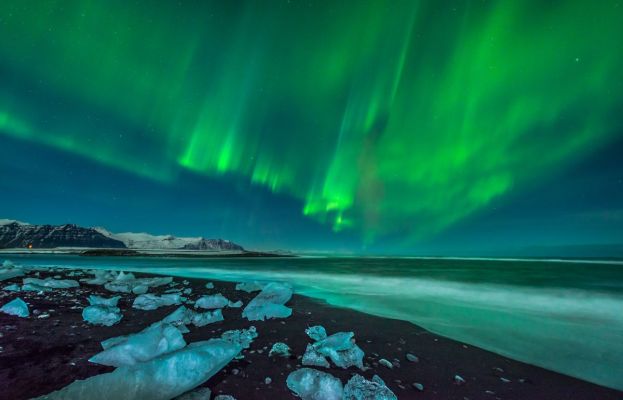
x: 279, y: 349
x: 162, y: 378
x: 14, y: 287
x: 31, y: 287
x: 16, y: 307
x: 203, y: 319
x: 203, y: 393
x: 237, y: 304
x: 269, y: 303
x: 339, y: 347
x: 140, y: 347
x: 310, y: 384
x: 250, y: 286
x: 212, y: 301
x: 100, y: 277
x: 152, y: 301
x: 240, y: 337
x: 312, y: 358
x: 102, y: 301
x: 9, y: 273
x: 181, y: 316
x: 316, y: 332
x: 102, y: 315
x: 127, y: 284
x: 52, y: 283
x: 359, y: 388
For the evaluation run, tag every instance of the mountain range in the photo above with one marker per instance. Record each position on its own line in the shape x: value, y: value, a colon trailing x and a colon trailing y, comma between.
x: 16, y: 234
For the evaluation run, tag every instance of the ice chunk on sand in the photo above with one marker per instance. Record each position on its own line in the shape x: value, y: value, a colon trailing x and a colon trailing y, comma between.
x: 102, y: 301
x: 183, y: 316
x: 102, y: 315
x: 9, y: 273
x: 313, y: 358
x: 240, y: 337
x: 209, y: 285
x: 125, y: 277
x: 203, y: 319
x: 316, y: 332
x: 52, y: 283
x: 340, y: 348
x: 279, y: 349
x: 237, y: 304
x: 198, y: 394
x: 359, y: 388
x: 250, y: 286
x: 31, y: 287
x: 310, y: 384
x: 137, y: 286
x: 16, y: 307
x: 212, y: 301
x: 162, y: 378
x: 143, y: 346
x: 152, y: 301
x: 269, y: 303
x: 14, y: 287
x: 224, y: 397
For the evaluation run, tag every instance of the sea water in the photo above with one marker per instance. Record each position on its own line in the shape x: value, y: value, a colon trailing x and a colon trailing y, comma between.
x: 562, y: 315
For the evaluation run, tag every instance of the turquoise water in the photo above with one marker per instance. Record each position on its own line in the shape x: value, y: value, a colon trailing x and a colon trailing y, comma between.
x: 565, y: 316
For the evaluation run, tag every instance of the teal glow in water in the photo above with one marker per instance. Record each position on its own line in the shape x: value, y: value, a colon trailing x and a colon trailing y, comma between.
x: 563, y: 316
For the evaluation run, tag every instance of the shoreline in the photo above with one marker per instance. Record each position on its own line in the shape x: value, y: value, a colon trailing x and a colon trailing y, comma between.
x: 162, y: 253
x: 39, y: 355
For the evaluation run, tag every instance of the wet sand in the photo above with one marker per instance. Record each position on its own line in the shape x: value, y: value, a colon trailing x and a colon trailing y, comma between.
x: 41, y: 354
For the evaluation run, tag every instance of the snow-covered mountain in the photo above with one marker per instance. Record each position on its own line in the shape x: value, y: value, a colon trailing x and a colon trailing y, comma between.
x: 146, y: 241
x: 16, y: 234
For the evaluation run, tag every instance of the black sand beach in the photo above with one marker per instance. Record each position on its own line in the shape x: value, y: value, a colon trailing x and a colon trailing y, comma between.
x: 40, y: 354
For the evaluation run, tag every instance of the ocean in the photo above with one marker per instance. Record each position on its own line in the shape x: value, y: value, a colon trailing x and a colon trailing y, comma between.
x: 566, y: 316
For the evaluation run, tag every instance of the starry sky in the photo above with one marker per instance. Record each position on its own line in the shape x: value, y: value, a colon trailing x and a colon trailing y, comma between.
x: 403, y: 127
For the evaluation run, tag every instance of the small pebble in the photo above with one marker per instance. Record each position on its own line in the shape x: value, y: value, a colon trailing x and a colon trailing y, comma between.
x: 418, y: 386
x: 268, y: 381
x: 386, y: 363
x: 458, y: 380
x: 412, y: 358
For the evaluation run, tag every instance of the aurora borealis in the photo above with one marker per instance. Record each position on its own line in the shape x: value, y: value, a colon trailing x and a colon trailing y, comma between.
x: 376, y: 119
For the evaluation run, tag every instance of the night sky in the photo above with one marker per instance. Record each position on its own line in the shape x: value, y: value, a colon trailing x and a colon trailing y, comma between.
x: 403, y: 127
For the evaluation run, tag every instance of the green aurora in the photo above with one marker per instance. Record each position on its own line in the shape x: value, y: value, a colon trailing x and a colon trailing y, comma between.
x: 387, y: 118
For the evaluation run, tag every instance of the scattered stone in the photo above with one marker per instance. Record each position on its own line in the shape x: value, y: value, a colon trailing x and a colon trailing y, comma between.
x: 418, y: 386
x: 412, y: 358
x: 386, y: 363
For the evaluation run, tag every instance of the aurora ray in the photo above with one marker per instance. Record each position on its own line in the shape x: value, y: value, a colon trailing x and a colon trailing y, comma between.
x: 401, y: 117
